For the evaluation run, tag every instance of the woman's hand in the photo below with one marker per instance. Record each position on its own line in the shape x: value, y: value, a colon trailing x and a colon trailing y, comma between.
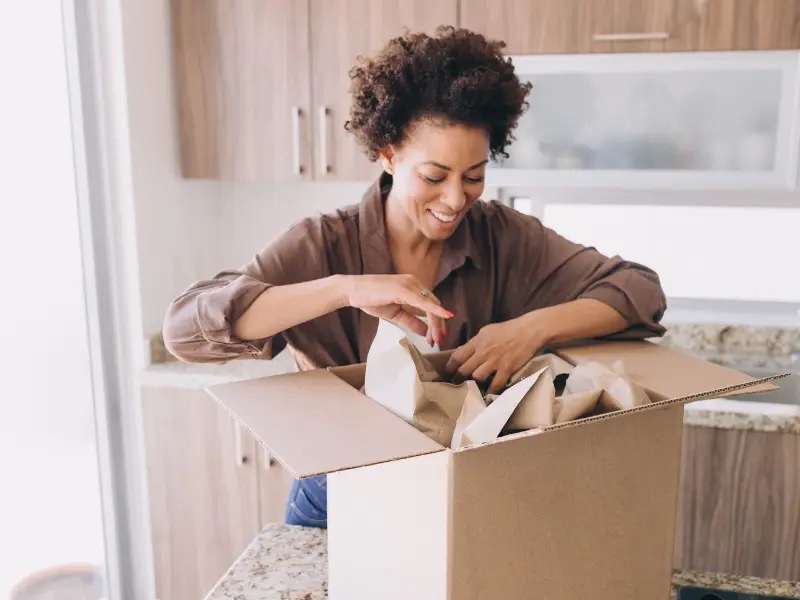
x: 398, y: 298
x: 499, y: 349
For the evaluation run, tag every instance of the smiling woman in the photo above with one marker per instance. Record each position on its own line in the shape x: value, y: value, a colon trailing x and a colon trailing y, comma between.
x: 494, y: 285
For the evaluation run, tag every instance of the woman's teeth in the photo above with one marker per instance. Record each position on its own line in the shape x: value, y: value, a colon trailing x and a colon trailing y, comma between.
x: 443, y: 217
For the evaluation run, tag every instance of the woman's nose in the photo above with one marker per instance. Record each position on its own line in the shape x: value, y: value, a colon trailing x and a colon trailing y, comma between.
x: 455, y: 197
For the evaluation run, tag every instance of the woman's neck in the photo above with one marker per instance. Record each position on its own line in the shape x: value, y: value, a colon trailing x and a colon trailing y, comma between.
x: 403, y: 235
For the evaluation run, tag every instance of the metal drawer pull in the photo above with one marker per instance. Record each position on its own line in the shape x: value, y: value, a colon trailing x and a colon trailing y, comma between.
x: 629, y: 37
x: 324, y: 164
x: 241, y: 456
x: 297, y: 164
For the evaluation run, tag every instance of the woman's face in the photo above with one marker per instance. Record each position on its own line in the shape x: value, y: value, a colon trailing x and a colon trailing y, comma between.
x: 438, y: 174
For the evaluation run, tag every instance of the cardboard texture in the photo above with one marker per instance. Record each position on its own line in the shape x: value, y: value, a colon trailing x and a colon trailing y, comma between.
x: 315, y: 423
x: 579, y: 508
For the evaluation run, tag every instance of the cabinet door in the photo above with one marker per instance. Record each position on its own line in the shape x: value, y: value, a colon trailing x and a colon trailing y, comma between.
x: 341, y: 30
x: 540, y: 26
x: 274, y: 485
x: 734, y: 25
x: 243, y: 88
x: 203, y: 489
x: 739, y: 503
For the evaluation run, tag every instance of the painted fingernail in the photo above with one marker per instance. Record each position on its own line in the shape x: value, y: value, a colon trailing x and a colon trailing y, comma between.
x: 449, y: 314
x: 430, y: 343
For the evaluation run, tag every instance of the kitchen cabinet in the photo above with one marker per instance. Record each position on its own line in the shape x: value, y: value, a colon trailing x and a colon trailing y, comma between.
x: 702, y: 120
x: 208, y: 486
x: 739, y: 503
x: 600, y: 26
x: 243, y: 89
x: 708, y: 25
x: 262, y: 87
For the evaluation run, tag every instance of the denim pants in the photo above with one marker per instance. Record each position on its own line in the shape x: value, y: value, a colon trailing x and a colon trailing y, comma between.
x: 308, y: 502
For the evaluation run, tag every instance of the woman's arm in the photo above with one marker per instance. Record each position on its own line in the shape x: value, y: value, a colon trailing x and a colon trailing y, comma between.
x: 557, y: 291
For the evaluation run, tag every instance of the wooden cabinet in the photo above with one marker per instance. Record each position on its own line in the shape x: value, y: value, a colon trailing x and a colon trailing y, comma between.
x: 208, y: 488
x: 739, y: 503
x: 262, y: 87
x: 591, y: 26
x: 719, y: 25
x: 243, y: 88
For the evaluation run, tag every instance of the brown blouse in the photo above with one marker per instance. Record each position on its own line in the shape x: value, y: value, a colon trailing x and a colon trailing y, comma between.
x: 498, y: 265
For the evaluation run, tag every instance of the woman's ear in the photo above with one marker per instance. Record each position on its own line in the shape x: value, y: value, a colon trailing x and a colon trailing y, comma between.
x: 386, y: 157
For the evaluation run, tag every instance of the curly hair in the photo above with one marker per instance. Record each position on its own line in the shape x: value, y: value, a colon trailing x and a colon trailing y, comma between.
x: 455, y: 76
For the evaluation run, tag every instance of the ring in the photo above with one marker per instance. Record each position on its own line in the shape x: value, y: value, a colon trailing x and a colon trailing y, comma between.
x: 426, y: 293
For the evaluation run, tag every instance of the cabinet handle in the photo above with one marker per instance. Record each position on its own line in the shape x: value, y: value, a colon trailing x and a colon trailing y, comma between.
x: 241, y: 456
x: 324, y: 165
x: 630, y: 37
x: 269, y: 460
x: 298, y: 166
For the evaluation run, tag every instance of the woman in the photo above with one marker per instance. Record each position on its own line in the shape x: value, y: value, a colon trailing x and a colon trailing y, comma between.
x: 493, y: 284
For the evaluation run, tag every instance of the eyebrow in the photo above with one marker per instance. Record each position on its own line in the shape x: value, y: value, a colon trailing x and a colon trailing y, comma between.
x: 443, y: 167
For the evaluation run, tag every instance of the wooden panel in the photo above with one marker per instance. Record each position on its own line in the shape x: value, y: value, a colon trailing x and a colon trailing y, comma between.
x: 719, y: 25
x: 341, y: 30
x: 204, y: 506
x: 739, y: 503
x: 637, y: 17
x: 241, y: 71
x: 541, y: 26
x: 274, y: 484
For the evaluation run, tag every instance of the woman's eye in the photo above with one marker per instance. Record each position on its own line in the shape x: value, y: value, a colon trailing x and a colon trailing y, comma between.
x: 474, y: 179
x: 433, y: 179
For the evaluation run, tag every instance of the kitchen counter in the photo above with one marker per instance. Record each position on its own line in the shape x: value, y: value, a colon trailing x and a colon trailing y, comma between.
x: 290, y: 563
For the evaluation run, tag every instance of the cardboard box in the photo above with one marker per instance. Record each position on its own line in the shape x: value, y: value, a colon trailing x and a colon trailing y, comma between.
x: 584, y: 509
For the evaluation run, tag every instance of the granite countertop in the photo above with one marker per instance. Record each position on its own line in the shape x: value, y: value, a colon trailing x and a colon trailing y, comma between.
x: 290, y: 563
x: 766, y: 349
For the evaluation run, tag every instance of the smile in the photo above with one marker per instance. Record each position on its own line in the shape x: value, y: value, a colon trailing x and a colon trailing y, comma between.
x: 444, y: 218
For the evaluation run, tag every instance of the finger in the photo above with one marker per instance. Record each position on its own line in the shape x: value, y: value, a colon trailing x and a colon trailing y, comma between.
x: 469, y: 366
x: 427, y: 304
x: 410, y: 322
x: 435, y: 328
x: 459, y: 356
x: 483, y: 371
x: 500, y: 380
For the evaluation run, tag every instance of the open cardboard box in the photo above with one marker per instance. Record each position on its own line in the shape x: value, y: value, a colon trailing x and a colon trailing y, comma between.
x: 582, y: 509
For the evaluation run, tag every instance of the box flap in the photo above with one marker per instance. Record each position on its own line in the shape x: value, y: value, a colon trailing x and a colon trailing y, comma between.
x: 315, y: 423
x: 668, y: 372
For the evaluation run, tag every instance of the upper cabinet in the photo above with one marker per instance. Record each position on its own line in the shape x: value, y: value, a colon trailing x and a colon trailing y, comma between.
x: 695, y: 120
x: 262, y: 86
x: 243, y: 89
x: 602, y: 26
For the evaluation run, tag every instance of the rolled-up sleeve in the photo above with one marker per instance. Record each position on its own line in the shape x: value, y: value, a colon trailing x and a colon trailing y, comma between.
x: 549, y: 269
x: 198, y: 326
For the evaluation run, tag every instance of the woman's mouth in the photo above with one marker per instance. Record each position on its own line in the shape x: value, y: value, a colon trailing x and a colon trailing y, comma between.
x: 445, y: 218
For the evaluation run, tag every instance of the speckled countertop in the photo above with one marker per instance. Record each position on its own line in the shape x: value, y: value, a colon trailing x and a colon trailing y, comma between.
x: 291, y: 563
x: 764, y: 349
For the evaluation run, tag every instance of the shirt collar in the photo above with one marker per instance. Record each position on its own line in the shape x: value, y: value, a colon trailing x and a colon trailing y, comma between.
x: 376, y: 259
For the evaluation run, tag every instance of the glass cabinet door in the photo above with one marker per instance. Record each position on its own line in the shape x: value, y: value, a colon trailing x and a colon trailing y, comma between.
x: 657, y: 120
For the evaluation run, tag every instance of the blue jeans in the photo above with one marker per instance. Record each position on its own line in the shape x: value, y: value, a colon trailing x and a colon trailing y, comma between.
x: 308, y: 502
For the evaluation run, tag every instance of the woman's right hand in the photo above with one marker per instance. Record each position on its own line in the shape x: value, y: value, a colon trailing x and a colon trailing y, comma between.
x: 400, y: 299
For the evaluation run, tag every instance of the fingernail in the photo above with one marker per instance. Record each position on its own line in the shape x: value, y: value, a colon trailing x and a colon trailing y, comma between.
x: 430, y: 343
x: 449, y: 314
x: 445, y: 329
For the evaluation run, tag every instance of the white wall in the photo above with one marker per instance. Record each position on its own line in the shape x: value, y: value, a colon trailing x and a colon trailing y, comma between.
x: 189, y: 229
x: 699, y: 251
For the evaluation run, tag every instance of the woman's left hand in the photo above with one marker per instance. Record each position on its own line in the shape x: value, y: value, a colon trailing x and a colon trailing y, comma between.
x: 500, y: 349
